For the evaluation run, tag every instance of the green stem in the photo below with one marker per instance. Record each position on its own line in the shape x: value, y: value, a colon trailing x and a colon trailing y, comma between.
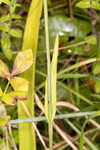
x: 48, y: 53
x: 61, y: 116
x: 6, y: 87
x: 49, y: 74
x: 51, y: 136
x: 77, y: 65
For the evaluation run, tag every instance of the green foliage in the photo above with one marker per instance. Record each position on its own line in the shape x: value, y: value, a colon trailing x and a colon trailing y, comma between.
x: 19, y: 84
x: 86, y: 4
x: 12, y: 97
x: 53, y: 83
x: 79, y: 80
x: 66, y: 28
x: 6, y: 45
x: 22, y: 62
x: 82, y: 133
x: 15, y: 33
x: 7, y: 30
x: 97, y: 86
x: 30, y: 40
x: 5, y: 1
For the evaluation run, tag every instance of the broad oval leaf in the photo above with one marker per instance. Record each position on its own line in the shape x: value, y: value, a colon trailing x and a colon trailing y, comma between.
x: 4, y: 71
x: 12, y: 97
x: 19, y: 84
x: 22, y: 62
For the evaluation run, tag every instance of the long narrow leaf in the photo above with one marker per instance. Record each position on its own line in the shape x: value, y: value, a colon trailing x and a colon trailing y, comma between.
x: 54, y: 78
x: 30, y: 40
x: 53, y: 84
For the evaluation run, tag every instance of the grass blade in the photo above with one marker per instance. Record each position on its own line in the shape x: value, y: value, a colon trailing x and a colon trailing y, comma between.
x: 26, y: 131
x: 54, y: 77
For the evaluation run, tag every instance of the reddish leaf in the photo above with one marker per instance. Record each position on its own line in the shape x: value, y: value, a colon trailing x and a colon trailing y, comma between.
x: 22, y: 62
x: 4, y: 71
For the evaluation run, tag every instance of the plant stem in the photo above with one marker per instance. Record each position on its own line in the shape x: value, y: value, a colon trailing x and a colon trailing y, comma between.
x: 50, y: 136
x: 77, y: 65
x: 49, y: 74
x: 61, y: 116
x: 6, y: 87
x: 48, y: 52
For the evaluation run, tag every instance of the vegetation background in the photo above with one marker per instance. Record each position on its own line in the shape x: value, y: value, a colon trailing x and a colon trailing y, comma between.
x: 66, y: 35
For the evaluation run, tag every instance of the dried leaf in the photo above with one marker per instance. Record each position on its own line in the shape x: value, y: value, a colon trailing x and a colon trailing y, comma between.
x: 19, y: 84
x: 22, y: 62
x: 4, y: 71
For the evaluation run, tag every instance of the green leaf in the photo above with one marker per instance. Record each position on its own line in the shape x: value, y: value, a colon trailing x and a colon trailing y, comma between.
x: 1, y: 93
x: 12, y: 97
x: 22, y: 62
x: 93, y: 147
x: 16, y: 33
x: 96, y: 68
x: 6, y: 45
x: 7, y: 2
x: 46, y: 101
x: 91, y: 39
x: 19, y: 84
x: 86, y: 4
x: 30, y: 40
x: 54, y: 77
x: 15, y: 16
x: 4, y: 120
x: 4, y: 71
x: 53, y: 83
x: 73, y: 75
x: 97, y: 86
x: 5, y: 18
x: 4, y: 27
